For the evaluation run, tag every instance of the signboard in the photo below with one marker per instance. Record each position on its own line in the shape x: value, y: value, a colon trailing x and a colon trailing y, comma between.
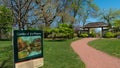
x: 28, y: 48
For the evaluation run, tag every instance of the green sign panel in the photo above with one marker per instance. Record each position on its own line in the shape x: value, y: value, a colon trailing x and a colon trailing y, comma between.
x: 28, y: 45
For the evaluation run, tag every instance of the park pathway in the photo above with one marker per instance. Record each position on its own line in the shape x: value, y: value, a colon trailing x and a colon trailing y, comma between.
x: 94, y: 58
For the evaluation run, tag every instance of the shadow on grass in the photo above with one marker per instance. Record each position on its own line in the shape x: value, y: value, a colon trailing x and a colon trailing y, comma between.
x: 60, y: 39
x: 5, y: 39
x: 56, y: 40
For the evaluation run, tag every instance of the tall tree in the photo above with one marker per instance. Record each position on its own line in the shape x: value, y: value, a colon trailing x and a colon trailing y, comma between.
x: 117, y: 25
x: 49, y: 10
x: 83, y: 9
x: 65, y: 13
x: 89, y: 10
x: 6, y: 19
x: 21, y: 9
x: 110, y: 15
x: 45, y: 12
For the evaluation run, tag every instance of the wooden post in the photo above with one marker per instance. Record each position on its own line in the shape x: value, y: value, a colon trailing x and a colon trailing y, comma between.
x: 88, y: 31
x: 102, y: 31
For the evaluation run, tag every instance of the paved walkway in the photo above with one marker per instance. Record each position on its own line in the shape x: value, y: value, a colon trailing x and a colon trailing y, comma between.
x: 92, y: 57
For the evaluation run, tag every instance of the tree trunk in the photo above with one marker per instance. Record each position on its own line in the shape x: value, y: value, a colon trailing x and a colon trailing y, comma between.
x: 62, y: 19
x: 109, y: 24
x: 0, y: 34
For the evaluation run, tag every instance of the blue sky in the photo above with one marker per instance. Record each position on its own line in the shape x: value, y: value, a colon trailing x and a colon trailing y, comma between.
x: 106, y: 4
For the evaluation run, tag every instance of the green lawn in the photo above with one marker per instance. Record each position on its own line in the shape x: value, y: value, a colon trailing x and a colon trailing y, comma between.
x: 57, y: 54
x: 110, y: 46
x: 5, y: 43
x: 6, y: 54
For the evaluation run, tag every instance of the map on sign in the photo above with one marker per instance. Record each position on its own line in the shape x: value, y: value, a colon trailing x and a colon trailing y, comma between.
x: 27, y: 45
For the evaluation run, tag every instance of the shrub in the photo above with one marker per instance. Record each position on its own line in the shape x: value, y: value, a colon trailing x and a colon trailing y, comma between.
x: 49, y: 36
x: 117, y: 34
x: 92, y: 35
x: 108, y: 35
x: 75, y: 35
x: 83, y: 35
x: 63, y: 31
x: 60, y: 35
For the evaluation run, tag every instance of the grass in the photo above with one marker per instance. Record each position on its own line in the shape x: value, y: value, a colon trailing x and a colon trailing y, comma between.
x: 5, y: 43
x: 57, y: 54
x: 6, y: 54
x: 109, y: 46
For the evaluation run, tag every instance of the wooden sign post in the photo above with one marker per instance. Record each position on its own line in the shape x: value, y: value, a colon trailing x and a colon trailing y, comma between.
x: 28, y: 48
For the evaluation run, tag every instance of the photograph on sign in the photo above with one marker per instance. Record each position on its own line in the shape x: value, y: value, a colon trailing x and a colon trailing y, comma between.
x: 27, y: 46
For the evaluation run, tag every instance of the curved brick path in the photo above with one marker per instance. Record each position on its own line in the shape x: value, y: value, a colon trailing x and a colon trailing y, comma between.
x: 92, y: 57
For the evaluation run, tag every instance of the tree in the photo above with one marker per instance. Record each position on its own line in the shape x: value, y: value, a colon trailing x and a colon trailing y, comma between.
x: 84, y: 9
x: 20, y: 10
x: 110, y: 15
x: 48, y: 11
x: 66, y: 17
x: 76, y: 6
x: 65, y: 13
x: 117, y: 25
x: 90, y: 10
x: 6, y: 20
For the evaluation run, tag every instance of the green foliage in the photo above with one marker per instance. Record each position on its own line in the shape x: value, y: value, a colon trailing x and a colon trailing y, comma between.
x: 94, y: 7
x: 117, y: 25
x: 117, y: 34
x: 63, y: 31
x: 110, y: 15
x: 5, y: 15
x: 6, y: 21
x: 75, y: 35
x: 92, y: 34
x: 109, y: 35
x: 55, y: 30
x: 76, y: 7
x: 84, y: 35
x: 47, y: 31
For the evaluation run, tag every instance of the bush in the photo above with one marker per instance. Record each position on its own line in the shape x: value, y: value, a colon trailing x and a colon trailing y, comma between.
x: 109, y: 35
x: 117, y: 34
x: 83, y: 35
x: 75, y: 35
x: 47, y: 32
x: 63, y: 31
x: 60, y: 35
x: 49, y: 36
x: 92, y: 35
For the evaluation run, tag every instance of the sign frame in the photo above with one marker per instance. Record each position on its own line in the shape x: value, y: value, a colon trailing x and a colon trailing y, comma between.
x: 20, y: 33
